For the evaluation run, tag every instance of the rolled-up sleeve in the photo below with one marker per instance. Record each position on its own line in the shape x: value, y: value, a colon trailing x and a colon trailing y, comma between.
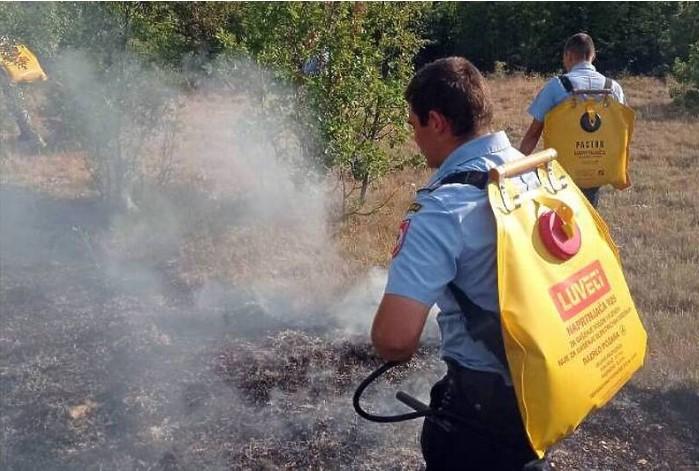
x: 618, y: 93
x: 425, y: 260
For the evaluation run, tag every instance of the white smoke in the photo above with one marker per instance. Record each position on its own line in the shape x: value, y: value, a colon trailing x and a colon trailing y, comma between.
x: 233, y: 247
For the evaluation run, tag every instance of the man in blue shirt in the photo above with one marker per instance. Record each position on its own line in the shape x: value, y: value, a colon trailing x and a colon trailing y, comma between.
x: 446, y: 254
x: 578, y: 55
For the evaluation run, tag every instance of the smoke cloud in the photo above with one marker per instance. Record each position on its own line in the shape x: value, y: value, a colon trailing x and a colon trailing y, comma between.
x: 210, y: 323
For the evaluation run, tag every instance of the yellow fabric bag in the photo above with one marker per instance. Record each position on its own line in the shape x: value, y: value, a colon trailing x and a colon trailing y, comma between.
x: 22, y: 65
x: 592, y: 139
x: 571, y: 332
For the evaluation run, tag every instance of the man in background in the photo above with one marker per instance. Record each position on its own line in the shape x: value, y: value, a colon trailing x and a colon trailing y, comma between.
x: 578, y: 55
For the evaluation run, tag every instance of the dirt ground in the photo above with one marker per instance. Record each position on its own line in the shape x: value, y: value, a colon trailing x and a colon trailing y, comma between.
x: 101, y: 371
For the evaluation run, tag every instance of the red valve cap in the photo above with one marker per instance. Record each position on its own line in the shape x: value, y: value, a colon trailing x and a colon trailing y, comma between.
x: 554, y: 237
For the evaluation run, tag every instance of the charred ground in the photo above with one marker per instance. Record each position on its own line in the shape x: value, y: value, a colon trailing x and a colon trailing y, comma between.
x: 97, y: 374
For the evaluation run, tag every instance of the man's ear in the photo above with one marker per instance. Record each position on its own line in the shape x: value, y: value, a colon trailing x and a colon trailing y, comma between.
x: 438, y: 122
x: 566, y: 59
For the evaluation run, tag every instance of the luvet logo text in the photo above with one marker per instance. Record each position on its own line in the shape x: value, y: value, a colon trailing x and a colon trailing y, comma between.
x: 579, y: 290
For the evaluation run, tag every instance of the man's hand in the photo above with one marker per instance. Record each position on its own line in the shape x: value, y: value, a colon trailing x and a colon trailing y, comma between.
x: 531, y: 138
x: 397, y: 327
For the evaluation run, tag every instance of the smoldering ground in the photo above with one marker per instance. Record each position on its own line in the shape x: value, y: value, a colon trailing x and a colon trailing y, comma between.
x: 209, y: 324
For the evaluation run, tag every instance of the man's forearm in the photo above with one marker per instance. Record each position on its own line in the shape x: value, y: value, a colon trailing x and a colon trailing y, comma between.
x: 531, y: 137
x: 392, y: 344
x: 397, y: 326
x: 391, y: 354
x: 528, y: 144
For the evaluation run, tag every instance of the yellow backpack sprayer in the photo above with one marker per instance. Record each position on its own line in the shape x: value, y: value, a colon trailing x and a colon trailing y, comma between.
x: 570, y: 331
x: 18, y: 65
x: 21, y: 65
x: 591, y: 136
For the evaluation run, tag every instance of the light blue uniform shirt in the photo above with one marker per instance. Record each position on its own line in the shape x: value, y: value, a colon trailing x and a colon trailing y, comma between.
x: 452, y: 236
x: 583, y: 75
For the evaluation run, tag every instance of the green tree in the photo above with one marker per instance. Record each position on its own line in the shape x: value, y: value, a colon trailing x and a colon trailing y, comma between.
x: 687, y: 74
x: 354, y: 100
x: 106, y: 91
x: 636, y: 37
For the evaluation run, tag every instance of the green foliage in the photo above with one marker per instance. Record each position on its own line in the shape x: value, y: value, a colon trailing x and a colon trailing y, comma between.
x: 634, y: 37
x: 330, y: 74
x: 364, y: 55
x: 687, y: 74
x: 360, y: 93
x: 347, y: 114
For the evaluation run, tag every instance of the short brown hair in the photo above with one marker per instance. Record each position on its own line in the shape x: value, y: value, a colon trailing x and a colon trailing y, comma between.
x: 580, y: 45
x: 455, y: 88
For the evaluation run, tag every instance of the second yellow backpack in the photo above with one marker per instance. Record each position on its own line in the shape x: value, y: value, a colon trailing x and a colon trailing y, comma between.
x: 21, y: 64
x: 591, y: 137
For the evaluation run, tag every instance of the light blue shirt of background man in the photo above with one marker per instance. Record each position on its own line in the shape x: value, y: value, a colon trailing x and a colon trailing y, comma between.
x: 578, y: 55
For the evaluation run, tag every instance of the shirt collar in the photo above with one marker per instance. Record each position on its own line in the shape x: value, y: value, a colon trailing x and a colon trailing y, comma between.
x: 583, y: 65
x: 479, y: 147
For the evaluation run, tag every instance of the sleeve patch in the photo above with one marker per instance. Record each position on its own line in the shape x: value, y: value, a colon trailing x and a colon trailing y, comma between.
x: 402, y: 231
x: 414, y: 208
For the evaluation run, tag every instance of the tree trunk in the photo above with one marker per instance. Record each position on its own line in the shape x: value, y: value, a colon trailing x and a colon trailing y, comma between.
x: 365, y: 187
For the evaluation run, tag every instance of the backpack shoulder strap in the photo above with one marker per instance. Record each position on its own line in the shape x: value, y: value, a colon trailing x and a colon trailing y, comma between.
x: 567, y: 84
x: 607, y: 83
x: 482, y: 325
x: 477, y: 178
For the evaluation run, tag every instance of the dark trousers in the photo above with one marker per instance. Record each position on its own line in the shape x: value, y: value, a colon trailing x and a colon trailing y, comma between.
x: 490, y: 435
x: 592, y: 195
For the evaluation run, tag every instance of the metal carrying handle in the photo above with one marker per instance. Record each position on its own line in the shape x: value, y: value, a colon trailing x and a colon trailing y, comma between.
x: 578, y: 96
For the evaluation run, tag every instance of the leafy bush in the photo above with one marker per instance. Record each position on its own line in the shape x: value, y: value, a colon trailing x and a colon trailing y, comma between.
x: 349, y: 64
x: 112, y: 113
x: 687, y: 74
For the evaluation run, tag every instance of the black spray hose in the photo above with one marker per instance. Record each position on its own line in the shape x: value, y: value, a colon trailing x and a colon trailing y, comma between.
x: 421, y: 409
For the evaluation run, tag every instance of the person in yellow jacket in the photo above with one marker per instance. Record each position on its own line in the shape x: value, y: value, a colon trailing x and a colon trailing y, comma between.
x: 18, y: 65
x: 578, y: 55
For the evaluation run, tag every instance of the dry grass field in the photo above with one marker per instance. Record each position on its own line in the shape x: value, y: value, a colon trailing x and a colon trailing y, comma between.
x: 196, y: 333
